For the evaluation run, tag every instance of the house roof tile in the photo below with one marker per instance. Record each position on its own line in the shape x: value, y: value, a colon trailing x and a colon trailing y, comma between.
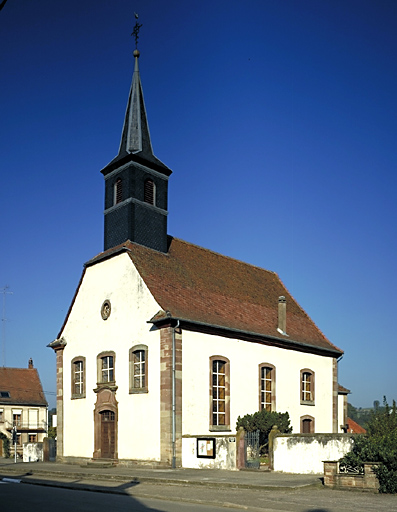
x: 23, y: 385
x: 197, y: 285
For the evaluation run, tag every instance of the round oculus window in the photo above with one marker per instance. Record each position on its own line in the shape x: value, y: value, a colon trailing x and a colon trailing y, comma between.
x: 105, y: 310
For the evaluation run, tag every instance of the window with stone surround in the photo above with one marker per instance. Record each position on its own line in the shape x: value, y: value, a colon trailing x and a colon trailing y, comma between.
x: 106, y: 367
x: 1, y: 416
x: 307, y: 424
x: 138, y: 362
x: 219, y: 393
x: 307, y: 387
x: 267, y: 387
x: 78, y: 377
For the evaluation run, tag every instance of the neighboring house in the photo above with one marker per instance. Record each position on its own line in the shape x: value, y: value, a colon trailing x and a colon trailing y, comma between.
x: 22, y: 405
x: 166, y: 343
x: 352, y: 427
x: 342, y: 408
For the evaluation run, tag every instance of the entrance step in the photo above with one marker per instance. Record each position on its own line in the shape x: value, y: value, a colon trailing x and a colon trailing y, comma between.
x: 101, y: 463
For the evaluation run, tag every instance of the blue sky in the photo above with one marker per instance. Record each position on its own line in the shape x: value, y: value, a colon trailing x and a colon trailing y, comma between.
x: 278, y: 119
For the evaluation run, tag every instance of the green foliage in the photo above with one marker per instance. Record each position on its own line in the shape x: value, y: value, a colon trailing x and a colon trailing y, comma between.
x: 6, y: 445
x: 264, y: 421
x: 379, y: 445
x: 52, y: 432
x: 360, y: 416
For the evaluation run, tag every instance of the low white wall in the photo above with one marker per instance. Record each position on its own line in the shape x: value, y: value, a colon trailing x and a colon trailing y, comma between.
x: 305, y: 453
x: 225, y: 453
x: 32, y: 452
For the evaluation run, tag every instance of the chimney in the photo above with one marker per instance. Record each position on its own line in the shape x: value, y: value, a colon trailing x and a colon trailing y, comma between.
x: 282, y: 315
x: 30, y: 364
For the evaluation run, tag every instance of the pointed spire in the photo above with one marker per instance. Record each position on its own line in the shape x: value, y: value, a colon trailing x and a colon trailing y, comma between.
x: 135, y: 137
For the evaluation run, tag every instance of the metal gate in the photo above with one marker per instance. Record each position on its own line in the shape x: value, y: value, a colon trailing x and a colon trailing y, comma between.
x: 251, y: 441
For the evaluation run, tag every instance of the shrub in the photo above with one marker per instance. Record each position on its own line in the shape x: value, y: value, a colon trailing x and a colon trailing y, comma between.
x: 264, y: 421
x: 52, y: 432
x: 6, y: 445
x: 379, y: 445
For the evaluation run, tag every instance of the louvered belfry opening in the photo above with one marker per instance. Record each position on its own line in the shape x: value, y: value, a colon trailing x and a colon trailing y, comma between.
x: 149, y: 192
x: 118, y: 195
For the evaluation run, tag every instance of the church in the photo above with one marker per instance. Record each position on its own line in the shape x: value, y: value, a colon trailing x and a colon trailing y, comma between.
x: 166, y: 343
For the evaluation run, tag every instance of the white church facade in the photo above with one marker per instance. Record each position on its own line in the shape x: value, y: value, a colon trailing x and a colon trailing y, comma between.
x: 166, y: 343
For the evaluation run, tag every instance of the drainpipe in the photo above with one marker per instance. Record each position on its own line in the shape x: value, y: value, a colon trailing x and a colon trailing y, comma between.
x: 174, y: 398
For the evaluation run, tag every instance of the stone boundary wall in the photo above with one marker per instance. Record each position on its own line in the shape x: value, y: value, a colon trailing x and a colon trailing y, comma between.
x: 336, y: 480
x: 225, y: 452
x: 305, y: 453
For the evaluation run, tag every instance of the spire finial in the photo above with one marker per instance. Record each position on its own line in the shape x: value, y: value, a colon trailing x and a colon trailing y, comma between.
x: 135, y: 32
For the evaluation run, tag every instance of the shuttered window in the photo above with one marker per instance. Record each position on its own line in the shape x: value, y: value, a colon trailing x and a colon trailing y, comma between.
x: 150, y: 192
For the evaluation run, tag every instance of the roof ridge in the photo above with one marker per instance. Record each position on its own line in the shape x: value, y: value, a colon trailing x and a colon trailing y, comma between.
x: 225, y: 256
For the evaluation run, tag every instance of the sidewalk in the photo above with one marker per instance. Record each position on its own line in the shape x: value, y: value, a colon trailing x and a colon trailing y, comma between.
x: 207, y: 477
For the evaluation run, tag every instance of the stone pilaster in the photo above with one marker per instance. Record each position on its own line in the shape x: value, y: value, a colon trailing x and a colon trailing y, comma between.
x: 59, y: 365
x: 166, y: 336
x: 335, y: 426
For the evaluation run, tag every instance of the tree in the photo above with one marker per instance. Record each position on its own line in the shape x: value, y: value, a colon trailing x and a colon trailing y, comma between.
x: 378, y: 445
x: 263, y: 421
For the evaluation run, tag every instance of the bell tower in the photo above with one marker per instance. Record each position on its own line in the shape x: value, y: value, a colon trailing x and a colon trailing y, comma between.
x: 136, y: 182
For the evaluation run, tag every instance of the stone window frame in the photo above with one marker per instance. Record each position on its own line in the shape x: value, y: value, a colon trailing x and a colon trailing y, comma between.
x: 138, y: 348
x: 74, y: 361
x: 2, y: 416
x: 273, y: 386
x: 32, y: 438
x: 100, y: 357
x: 307, y: 417
x: 213, y: 427
x: 303, y: 384
x: 149, y: 192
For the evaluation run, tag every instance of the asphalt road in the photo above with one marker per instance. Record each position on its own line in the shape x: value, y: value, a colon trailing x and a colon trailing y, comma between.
x: 143, y: 497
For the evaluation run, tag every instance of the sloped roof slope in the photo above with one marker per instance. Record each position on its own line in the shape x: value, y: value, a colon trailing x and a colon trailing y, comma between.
x: 354, y: 428
x: 23, y: 385
x: 197, y: 285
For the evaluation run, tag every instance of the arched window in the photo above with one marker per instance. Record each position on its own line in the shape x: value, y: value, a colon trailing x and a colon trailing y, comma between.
x: 267, y: 387
x: 307, y: 386
x: 307, y: 424
x: 78, y: 377
x: 118, y: 191
x: 138, y: 360
x: 106, y: 368
x: 150, y: 192
x: 220, y: 393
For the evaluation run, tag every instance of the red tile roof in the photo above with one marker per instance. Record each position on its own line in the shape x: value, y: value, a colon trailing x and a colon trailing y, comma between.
x: 200, y: 286
x: 24, y: 387
x: 354, y: 428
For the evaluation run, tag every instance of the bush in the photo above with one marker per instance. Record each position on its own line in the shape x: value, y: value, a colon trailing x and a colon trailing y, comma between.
x: 6, y: 445
x: 264, y: 421
x: 52, y: 432
x: 379, y: 445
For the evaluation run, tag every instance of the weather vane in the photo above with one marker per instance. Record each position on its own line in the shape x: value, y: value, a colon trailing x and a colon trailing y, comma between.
x: 135, y: 32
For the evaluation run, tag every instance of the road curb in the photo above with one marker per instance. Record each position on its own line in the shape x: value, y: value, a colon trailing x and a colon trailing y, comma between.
x: 137, y: 479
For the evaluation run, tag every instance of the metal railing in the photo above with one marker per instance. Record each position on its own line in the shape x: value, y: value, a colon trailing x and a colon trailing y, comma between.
x: 25, y: 426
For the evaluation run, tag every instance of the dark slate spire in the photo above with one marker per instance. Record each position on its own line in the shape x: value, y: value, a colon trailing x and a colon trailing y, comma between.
x: 135, y: 141
x: 136, y: 182
x: 135, y: 137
